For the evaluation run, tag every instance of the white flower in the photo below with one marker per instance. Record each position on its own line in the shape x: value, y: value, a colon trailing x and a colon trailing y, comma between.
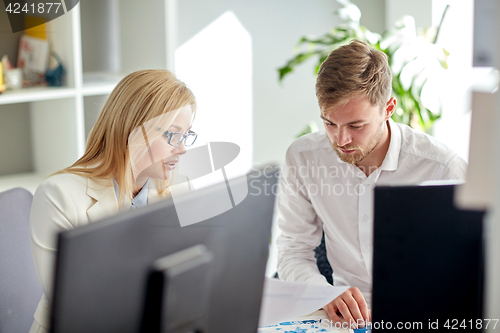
x: 349, y: 11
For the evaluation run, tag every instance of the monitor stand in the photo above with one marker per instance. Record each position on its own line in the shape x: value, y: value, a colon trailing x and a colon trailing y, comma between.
x: 178, y: 293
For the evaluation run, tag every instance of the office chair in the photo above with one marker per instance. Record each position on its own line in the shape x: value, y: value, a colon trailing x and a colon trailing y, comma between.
x: 20, y: 290
x: 322, y: 261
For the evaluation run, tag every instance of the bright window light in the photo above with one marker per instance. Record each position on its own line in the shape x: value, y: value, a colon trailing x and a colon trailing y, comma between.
x: 456, y: 37
x: 217, y: 65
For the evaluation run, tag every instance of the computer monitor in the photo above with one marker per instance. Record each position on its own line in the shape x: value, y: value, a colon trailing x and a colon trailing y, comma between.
x: 102, y: 268
x: 427, y: 260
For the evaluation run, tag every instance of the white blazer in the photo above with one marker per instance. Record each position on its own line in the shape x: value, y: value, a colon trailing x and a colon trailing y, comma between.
x: 63, y: 202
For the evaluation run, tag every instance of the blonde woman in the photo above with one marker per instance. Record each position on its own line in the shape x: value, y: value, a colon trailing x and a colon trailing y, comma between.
x: 130, y: 161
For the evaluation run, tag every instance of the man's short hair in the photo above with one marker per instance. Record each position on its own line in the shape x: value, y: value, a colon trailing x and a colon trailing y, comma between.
x: 351, y: 71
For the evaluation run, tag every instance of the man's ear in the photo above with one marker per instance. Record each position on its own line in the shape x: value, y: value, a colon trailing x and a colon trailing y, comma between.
x: 390, y: 107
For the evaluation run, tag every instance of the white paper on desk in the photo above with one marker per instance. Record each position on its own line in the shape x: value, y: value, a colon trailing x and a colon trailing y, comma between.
x: 285, y: 301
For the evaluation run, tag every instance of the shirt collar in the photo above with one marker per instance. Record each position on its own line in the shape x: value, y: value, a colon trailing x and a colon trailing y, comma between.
x: 390, y: 162
x: 141, y: 199
x: 391, y: 159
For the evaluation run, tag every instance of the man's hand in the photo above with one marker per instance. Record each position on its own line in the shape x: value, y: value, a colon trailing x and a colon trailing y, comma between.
x: 351, y: 307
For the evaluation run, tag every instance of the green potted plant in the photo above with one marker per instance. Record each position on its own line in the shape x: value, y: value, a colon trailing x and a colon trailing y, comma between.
x: 414, y: 59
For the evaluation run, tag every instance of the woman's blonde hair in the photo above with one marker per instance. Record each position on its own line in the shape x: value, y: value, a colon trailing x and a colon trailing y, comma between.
x: 351, y: 71
x: 137, y: 98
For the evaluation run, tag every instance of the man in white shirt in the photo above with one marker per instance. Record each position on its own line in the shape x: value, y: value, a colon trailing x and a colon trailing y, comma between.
x: 328, y: 177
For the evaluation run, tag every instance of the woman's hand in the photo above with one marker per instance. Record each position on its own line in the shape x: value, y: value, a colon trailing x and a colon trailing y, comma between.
x: 350, y: 307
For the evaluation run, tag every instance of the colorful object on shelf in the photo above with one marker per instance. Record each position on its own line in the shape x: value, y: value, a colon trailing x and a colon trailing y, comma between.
x: 35, y: 27
x: 33, y: 55
x: 14, y: 78
x: 6, y: 63
x: 2, y: 86
x: 54, y: 77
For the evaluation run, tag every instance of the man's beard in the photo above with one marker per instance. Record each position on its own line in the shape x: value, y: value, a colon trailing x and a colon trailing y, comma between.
x: 360, y: 153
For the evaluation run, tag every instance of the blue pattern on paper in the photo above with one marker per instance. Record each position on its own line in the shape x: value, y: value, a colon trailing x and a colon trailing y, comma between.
x: 304, y: 326
x: 297, y: 330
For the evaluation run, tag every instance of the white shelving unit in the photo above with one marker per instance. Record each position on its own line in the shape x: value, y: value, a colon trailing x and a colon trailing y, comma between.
x: 44, y: 129
x: 35, y: 94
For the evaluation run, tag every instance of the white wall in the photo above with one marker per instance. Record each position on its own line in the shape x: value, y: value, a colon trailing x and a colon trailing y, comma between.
x: 280, y: 112
x: 421, y: 10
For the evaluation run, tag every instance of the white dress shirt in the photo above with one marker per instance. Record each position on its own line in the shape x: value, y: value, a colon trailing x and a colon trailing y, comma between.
x: 141, y: 198
x: 319, y: 190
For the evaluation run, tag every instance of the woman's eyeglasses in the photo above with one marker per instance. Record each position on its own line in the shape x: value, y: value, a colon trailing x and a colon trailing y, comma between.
x: 176, y: 138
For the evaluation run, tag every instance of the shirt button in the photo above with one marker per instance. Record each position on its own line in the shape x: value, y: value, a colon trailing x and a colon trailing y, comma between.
x: 365, y: 218
x: 368, y: 248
